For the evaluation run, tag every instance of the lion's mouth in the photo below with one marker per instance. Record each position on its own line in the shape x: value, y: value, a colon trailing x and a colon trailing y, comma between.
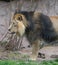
x: 11, y: 32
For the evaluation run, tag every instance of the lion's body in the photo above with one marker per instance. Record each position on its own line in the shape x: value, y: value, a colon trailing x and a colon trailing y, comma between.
x: 36, y: 26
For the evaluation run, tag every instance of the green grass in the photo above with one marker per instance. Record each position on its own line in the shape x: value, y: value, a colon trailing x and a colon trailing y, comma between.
x: 18, y: 62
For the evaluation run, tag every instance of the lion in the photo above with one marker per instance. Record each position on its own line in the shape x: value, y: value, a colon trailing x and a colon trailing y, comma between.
x: 36, y: 27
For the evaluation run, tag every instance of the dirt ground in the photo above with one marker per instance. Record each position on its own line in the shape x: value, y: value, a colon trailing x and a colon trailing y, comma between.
x: 51, y: 52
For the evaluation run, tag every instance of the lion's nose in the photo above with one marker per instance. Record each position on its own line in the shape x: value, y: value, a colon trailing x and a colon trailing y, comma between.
x: 8, y: 29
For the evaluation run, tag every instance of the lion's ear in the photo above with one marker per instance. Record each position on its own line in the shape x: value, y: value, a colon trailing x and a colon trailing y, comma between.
x: 20, y: 18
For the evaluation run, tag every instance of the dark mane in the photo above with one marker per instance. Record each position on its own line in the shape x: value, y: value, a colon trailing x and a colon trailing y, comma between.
x: 48, y: 33
x: 46, y: 30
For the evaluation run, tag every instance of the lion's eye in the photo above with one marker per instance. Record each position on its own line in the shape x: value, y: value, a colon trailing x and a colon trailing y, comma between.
x: 20, y: 18
x: 14, y: 24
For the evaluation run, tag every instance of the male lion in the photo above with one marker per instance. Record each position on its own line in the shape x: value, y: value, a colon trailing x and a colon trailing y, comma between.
x: 37, y: 27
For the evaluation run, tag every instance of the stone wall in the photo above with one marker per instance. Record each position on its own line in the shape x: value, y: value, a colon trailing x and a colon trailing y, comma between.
x: 48, y: 7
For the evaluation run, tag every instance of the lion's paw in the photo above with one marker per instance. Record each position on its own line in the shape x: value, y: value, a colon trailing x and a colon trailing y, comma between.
x: 33, y: 57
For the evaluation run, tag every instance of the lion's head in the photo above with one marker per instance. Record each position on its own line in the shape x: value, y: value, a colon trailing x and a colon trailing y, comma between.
x: 18, y: 24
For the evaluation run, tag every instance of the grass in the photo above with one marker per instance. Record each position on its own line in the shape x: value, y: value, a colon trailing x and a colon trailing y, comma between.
x: 18, y: 62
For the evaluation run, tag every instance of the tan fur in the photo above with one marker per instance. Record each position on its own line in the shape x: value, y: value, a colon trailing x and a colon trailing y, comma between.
x: 35, y: 47
x: 23, y: 17
x: 21, y: 28
x: 36, y: 15
x: 54, y: 20
x: 20, y: 25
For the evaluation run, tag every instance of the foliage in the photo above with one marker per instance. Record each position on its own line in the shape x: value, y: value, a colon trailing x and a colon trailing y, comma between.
x: 21, y: 62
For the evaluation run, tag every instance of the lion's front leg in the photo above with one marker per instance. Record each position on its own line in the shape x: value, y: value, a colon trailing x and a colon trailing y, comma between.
x: 35, y: 48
